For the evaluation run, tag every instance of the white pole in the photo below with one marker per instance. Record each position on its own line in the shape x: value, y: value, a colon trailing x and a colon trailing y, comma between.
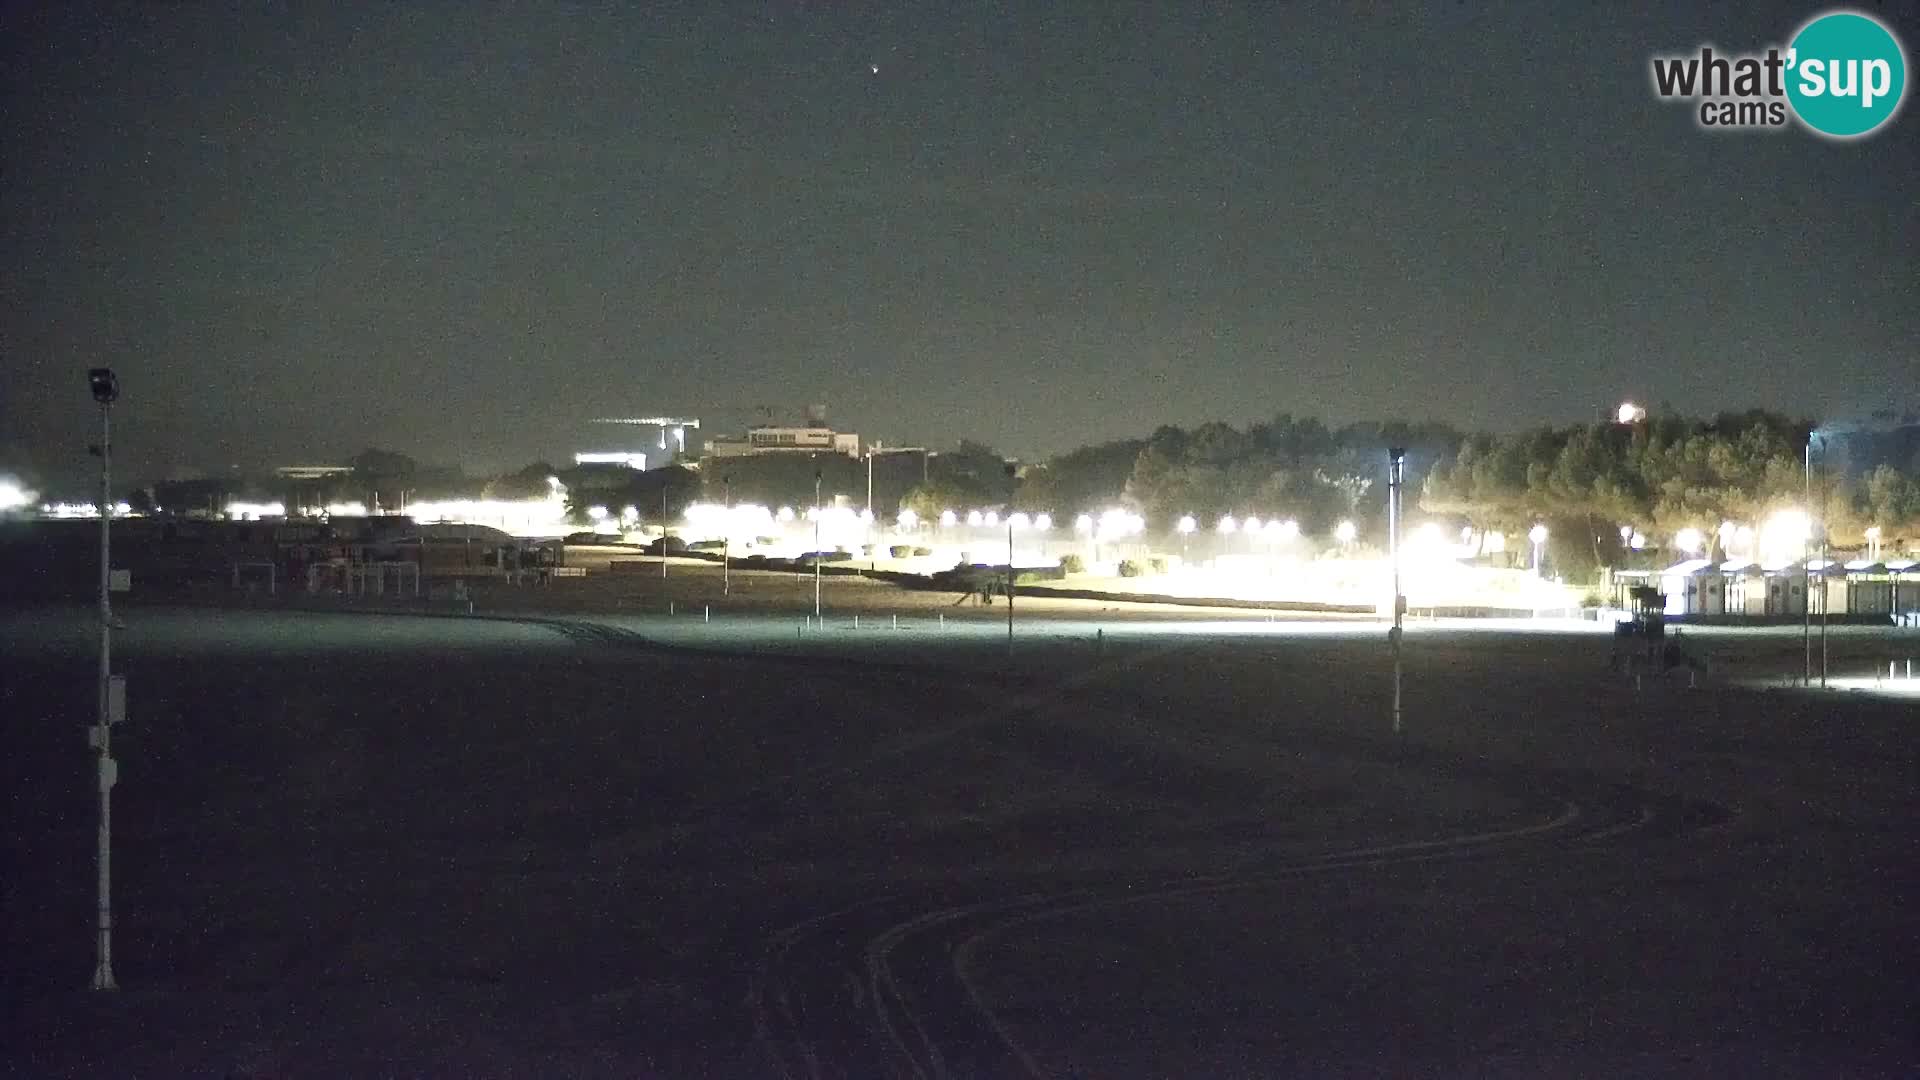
x: 1396, y: 463
x: 103, y: 965
x: 816, y: 544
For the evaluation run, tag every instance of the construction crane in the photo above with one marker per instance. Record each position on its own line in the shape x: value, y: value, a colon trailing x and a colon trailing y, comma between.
x: 676, y: 424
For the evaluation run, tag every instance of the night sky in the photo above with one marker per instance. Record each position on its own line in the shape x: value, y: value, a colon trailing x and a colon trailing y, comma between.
x: 457, y: 231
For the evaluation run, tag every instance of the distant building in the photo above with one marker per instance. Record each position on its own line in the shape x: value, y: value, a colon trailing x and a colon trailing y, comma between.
x: 632, y: 459
x: 769, y: 439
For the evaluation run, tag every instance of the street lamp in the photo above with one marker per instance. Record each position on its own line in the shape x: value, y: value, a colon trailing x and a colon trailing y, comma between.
x: 106, y: 388
x: 726, y: 536
x: 1396, y: 466
x: 1537, y: 534
x: 1185, y: 527
x: 816, y: 544
x: 1690, y: 540
x: 1873, y: 543
x: 1345, y: 532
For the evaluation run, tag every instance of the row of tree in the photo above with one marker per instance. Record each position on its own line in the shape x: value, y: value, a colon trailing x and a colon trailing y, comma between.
x: 1585, y: 481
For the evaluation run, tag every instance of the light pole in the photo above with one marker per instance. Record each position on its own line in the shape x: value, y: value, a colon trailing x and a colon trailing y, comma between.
x: 1013, y: 520
x: 1185, y: 528
x: 106, y: 387
x: 816, y: 544
x: 726, y: 536
x: 1806, y: 558
x: 1537, y: 534
x: 1396, y: 466
x: 663, y: 516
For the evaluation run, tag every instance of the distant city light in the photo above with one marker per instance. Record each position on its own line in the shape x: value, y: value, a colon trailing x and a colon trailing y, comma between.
x: 252, y: 511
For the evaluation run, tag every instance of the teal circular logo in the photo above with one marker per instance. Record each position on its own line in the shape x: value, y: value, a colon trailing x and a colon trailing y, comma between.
x: 1846, y: 74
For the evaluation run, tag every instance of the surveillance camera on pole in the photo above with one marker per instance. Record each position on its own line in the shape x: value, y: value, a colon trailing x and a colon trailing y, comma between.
x: 111, y: 691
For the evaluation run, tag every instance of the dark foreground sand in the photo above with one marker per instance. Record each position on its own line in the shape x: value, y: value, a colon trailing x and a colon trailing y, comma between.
x: 378, y: 845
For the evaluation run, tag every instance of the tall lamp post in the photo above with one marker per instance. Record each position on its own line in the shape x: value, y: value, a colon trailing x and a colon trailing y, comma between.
x: 1806, y: 562
x: 1537, y: 534
x: 663, y: 517
x: 816, y: 543
x: 726, y: 536
x: 1014, y: 520
x: 1396, y: 467
x: 106, y: 387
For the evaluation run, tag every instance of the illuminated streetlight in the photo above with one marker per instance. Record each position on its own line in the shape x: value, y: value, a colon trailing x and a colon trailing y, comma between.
x: 948, y: 519
x: 1043, y: 522
x: 1690, y: 540
x: 1873, y: 543
x: 907, y: 519
x: 991, y: 520
x: 1629, y: 413
x: 1537, y: 534
x: 1083, y: 523
x: 785, y: 515
x: 597, y: 513
x: 1186, y: 525
x: 1227, y: 525
x: 974, y: 518
x: 1345, y: 532
x: 1289, y: 529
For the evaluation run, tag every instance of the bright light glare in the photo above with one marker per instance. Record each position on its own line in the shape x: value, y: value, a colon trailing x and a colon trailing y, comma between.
x: 1283, y: 530
x: 597, y: 513
x: 1346, y: 532
x: 785, y: 514
x: 974, y: 518
x: 1537, y: 534
x: 1873, y: 534
x: 630, y: 515
x: 1629, y: 412
x: 251, y: 511
x: 1690, y: 540
x: 992, y: 520
x: 1117, y: 523
x: 13, y: 496
x: 1043, y: 522
x: 1186, y: 525
x: 948, y: 519
x: 1018, y: 522
x: 866, y: 515
x: 907, y: 519
x: 1083, y: 523
x: 1227, y: 525
x: 1251, y: 525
